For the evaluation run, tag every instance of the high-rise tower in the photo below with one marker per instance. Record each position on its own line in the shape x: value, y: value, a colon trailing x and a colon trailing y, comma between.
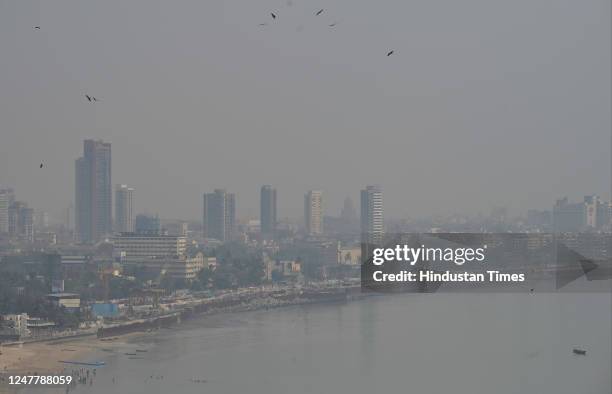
x: 268, y: 211
x: 372, y: 228
x: 124, y: 209
x: 93, y: 191
x: 313, y: 212
x: 219, y: 215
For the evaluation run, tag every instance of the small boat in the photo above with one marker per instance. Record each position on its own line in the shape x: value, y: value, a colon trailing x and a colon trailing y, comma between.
x: 580, y: 352
x: 130, y: 354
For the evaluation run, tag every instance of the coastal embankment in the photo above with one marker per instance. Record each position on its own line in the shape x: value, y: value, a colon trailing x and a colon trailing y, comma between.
x: 43, y: 355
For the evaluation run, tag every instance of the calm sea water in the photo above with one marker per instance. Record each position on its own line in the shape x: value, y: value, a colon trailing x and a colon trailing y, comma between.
x: 422, y: 344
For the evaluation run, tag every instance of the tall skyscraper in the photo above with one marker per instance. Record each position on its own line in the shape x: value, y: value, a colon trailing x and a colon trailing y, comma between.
x: 268, y: 211
x: 93, y: 191
x: 219, y: 215
x: 124, y: 209
x: 372, y: 228
x: 7, y: 196
x: 313, y: 212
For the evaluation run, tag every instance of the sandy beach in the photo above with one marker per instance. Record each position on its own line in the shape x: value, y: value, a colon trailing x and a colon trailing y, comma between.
x: 45, y: 357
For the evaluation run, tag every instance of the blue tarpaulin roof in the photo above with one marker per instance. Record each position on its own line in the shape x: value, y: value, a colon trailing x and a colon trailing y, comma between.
x: 105, y: 310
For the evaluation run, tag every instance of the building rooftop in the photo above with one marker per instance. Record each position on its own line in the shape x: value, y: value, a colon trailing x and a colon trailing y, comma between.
x: 63, y: 295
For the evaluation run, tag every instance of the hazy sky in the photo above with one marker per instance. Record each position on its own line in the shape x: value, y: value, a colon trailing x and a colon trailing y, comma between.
x: 484, y: 103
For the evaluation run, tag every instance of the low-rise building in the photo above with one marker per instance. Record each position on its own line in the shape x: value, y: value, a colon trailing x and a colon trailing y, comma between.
x: 40, y: 327
x: 210, y: 263
x: 179, y: 267
x: 14, y: 327
x: 134, y: 247
x: 164, y: 254
x: 350, y: 255
x: 70, y: 301
x: 282, y: 268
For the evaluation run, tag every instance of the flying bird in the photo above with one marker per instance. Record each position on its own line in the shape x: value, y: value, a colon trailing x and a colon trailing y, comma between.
x: 333, y: 24
x: 37, y: 27
x: 88, y: 97
x: 390, y: 53
x: 319, y: 12
x: 273, y: 15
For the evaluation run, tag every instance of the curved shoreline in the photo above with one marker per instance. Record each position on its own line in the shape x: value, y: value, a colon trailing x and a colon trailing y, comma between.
x: 43, y: 356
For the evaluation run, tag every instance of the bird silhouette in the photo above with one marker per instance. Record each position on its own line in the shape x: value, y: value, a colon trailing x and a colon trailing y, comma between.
x: 37, y: 27
x: 319, y: 12
x: 91, y: 98
x: 273, y: 15
x: 390, y: 53
x: 333, y: 24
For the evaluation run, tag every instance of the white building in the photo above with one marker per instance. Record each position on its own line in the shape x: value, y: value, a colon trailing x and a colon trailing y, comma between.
x: 165, y: 254
x: 138, y: 247
x: 313, y: 212
x: 181, y: 267
x: 124, y: 209
x: 14, y: 326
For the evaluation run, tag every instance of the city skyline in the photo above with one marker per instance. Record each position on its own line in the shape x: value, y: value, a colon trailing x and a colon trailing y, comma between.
x: 270, y: 196
x: 454, y: 121
x: 123, y: 205
x: 254, y: 211
x: 267, y: 198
